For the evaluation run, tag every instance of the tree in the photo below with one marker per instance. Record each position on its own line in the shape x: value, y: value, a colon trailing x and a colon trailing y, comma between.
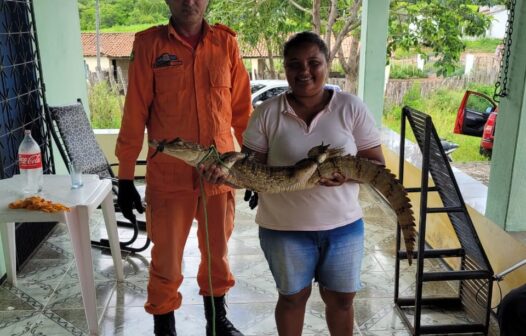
x: 435, y: 24
x: 337, y: 20
x: 122, y: 12
x: 148, y: 11
x: 87, y: 14
x: 259, y: 23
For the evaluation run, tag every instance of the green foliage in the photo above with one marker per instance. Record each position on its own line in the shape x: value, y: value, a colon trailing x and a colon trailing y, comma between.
x: 455, y: 68
x: 278, y: 65
x: 437, y: 25
x: 486, y: 89
x: 442, y: 106
x: 337, y: 69
x: 263, y: 24
x: 122, y: 13
x: 104, y: 106
x: 457, y: 71
x: 406, y: 71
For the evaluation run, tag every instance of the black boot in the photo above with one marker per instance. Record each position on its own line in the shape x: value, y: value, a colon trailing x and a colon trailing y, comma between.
x: 223, y: 326
x: 164, y: 325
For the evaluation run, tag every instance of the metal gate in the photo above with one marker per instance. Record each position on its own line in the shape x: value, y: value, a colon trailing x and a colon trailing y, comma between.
x: 21, y: 102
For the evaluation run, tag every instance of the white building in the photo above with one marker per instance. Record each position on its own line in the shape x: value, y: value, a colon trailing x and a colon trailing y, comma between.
x: 499, y: 15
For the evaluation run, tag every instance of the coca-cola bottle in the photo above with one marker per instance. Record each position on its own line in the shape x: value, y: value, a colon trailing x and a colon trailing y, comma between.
x: 30, y: 164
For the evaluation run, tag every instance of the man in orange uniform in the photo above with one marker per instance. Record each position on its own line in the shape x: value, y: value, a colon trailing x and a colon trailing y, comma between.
x: 186, y: 79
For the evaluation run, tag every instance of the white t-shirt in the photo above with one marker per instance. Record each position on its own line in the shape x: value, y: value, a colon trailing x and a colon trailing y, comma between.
x: 275, y: 129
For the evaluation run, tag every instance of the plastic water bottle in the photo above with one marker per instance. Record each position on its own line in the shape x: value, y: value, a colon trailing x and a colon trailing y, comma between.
x: 30, y: 164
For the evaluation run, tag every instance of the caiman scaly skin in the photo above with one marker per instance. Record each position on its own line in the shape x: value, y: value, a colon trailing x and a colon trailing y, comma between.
x: 322, y: 161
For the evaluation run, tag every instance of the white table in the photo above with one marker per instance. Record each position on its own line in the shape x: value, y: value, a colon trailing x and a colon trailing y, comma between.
x: 82, y: 201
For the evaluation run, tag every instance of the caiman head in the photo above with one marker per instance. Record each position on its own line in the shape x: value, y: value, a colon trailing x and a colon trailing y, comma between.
x: 323, y: 152
x: 189, y: 152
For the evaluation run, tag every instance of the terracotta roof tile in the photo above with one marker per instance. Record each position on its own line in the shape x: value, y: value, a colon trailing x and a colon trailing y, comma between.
x: 111, y: 44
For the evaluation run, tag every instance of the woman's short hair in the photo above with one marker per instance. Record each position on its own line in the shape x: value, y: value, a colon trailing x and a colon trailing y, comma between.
x: 305, y: 37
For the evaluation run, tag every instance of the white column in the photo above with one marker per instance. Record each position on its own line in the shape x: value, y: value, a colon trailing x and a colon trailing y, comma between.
x: 373, y: 50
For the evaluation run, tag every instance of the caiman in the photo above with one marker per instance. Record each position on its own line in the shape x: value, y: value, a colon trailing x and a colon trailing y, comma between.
x: 244, y: 172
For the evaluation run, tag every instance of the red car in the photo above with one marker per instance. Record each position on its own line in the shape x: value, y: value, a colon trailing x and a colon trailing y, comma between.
x: 477, y: 116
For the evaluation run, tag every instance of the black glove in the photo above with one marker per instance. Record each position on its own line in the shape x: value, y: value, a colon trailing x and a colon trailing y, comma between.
x: 252, y: 198
x: 128, y: 198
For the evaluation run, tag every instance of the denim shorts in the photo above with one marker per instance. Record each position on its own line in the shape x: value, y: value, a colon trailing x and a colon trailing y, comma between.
x: 333, y: 258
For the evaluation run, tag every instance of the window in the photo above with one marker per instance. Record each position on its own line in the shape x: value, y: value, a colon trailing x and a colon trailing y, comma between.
x: 21, y: 92
x: 256, y: 87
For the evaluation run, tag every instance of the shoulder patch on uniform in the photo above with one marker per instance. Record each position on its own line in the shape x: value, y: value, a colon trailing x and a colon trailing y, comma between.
x: 225, y: 28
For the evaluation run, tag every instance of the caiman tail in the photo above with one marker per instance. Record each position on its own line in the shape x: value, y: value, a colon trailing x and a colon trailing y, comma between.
x: 385, y: 182
x: 243, y: 172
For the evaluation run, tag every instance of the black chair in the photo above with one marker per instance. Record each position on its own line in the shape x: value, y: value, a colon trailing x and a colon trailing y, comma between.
x: 72, y: 133
x: 473, y: 278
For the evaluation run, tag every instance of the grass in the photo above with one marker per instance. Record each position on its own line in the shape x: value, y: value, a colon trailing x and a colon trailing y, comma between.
x: 485, y: 45
x: 104, y: 106
x: 442, y: 107
x: 406, y: 71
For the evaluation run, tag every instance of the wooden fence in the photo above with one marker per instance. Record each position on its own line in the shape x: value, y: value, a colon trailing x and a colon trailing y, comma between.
x: 397, y: 88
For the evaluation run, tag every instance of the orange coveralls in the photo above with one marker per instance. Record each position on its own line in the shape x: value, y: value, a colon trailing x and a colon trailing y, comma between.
x: 198, y: 95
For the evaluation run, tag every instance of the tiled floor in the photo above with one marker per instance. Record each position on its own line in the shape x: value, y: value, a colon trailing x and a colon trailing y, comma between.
x: 47, y: 300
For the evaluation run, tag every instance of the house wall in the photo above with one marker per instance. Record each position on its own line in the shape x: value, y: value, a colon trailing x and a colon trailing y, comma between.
x: 58, y: 31
x: 107, y: 139
x: 91, y: 63
x: 106, y: 65
x: 124, y: 64
x: 497, y: 28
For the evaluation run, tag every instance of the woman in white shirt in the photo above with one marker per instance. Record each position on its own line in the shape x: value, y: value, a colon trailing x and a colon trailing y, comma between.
x: 314, y: 234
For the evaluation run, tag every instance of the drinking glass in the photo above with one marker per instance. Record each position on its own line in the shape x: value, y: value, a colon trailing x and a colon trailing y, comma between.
x: 75, y: 172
